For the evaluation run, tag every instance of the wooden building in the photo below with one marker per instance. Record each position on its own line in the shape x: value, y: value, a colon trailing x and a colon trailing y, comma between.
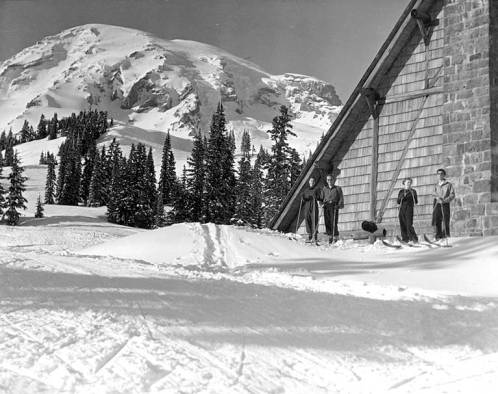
x: 428, y: 100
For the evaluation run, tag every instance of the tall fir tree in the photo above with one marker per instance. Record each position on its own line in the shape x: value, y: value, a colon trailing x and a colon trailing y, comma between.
x: 257, y: 191
x: 180, y: 212
x: 167, y: 175
x: 195, y: 179
x: 220, y: 178
x: 69, y: 186
x: 278, y: 167
x: 97, y: 182
x: 160, y: 217
x: 296, y: 165
x: 15, y: 199
x: 39, y: 208
x: 243, y: 211
x: 86, y: 176
x: 2, y: 193
x: 41, y: 130
x: 151, y: 179
x: 50, y: 183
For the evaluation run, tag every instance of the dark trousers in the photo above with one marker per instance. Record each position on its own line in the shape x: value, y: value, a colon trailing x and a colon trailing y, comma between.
x: 311, y: 219
x: 331, y: 217
x: 406, y: 223
x: 442, y: 227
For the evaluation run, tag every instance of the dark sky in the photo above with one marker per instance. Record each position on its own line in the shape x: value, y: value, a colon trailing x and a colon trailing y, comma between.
x: 333, y: 40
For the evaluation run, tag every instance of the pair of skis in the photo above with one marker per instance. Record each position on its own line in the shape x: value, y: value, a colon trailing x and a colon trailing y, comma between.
x: 402, y: 243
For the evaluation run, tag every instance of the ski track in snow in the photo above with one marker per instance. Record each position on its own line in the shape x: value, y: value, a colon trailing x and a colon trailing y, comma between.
x: 81, y: 323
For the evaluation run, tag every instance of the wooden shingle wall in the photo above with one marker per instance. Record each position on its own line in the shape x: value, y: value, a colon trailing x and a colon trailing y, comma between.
x: 407, y: 75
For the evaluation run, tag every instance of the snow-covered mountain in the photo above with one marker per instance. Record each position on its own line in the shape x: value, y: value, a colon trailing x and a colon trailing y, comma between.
x: 151, y: 86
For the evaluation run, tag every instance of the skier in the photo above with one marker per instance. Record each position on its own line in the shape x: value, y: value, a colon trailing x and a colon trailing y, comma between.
x: 310, y: 199
x: 443, y: 194
x: 407, y: 198
x: 332, y: 199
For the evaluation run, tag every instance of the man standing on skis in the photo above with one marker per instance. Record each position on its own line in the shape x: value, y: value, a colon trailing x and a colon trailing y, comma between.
x: 443, y: 194
x: 310, y: 199
x: 332, y: 199
x: 407, y: 198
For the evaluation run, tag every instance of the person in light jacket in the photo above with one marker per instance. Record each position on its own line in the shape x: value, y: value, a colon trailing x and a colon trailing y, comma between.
x: 443, y: 194
x: 332, y: 199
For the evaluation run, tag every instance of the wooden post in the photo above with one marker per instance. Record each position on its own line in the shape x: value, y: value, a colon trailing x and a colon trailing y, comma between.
x: 373, y: 101
x: 375, y: 167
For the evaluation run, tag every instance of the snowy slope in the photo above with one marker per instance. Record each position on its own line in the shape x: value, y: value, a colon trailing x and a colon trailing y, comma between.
x: 91, y: 307
x: 152, y: 85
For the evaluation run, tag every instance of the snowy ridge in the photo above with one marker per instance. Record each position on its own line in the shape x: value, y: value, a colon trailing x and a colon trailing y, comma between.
x: 152, y: 85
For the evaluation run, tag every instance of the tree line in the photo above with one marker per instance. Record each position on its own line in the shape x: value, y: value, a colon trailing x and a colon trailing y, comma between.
x: 209, y: 189
x: 212, y: 187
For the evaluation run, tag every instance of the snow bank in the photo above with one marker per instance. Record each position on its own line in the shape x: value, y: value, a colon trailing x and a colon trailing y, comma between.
x: 467, y: 268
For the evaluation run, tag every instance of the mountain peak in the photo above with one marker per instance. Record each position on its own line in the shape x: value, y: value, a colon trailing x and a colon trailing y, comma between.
x: 156, y: 85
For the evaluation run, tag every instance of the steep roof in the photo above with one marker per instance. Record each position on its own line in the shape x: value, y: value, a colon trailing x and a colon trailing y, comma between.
x: 355, y: 110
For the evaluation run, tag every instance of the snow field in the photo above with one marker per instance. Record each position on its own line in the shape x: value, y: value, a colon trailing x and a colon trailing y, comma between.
x: 87, y: 306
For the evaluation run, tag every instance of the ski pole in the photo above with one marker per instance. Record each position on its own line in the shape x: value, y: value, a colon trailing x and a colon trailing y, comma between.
x: 413, y: 223
x: 299, y: 215
x: 444, y: 225
x: 333, y: 224
x: 315, y: 233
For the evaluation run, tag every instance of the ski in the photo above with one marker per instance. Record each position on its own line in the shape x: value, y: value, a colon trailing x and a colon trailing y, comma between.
x: 435, y: 243
x: 406, y: 243
x: 312, y: 243
x: 390, y: 245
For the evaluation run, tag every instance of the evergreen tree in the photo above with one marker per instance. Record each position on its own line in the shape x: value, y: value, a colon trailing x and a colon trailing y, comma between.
x: 278, y: 177
x: 86, y: 176
x: 243, y: 192
x: 72, y: 178
x: 2, y: 193
x: 9, y: 153
x: 160, y: 217
x: 167, y: 176
x: 295, y: 166
x: 14, y: 199
x: 50, y: 184
x: 195, y: 179
x: 257, y: 191
x: 180, y: 204
x: 120, y: 203
x: 245, y: 145
x: 3, y: 141
x: 25, y: 132
x: 39, y: 208
x: 151, y: 179
x: 41, y: 130
x: 97, y: 182
x: 220, y: 177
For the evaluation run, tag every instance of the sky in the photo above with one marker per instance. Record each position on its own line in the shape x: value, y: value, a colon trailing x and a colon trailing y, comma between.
x: 333, y: 40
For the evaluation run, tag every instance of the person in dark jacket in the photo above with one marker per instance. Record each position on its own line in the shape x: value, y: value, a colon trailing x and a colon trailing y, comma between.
x: 407, y: 199
x: 443, y: 194
x: 332, y: 199
x: 310, y: 199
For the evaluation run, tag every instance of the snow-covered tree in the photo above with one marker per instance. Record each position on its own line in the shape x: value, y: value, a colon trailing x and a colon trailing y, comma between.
x: 14, y: 198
